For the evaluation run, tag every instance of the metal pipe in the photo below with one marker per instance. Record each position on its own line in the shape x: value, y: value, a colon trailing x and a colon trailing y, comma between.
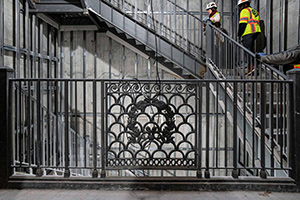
x: 39, y: 151
x: 263, y: 173
x: 41, y: 30
x: 66, y: 139
x: 269, y: 26
x: 187, y: 25
x: 235, y: 135
x: 17, y: 37
x: 207, y: 173
x: 96, y: 55
x: 199, y: 131
x: 1, y: 32
x: 103, y: 136
x: 299, y: 24
x: 95, y: 172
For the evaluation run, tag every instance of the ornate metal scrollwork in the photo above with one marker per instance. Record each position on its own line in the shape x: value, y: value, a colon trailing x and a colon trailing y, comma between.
x: 150, y: 129
x: 149, y: 134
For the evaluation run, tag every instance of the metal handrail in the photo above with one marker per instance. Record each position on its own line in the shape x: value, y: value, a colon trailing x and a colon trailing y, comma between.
x: 248, y: 55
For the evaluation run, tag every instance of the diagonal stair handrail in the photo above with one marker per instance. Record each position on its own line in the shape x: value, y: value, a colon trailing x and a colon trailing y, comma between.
x: 233, y: 61
x: 181, y: 50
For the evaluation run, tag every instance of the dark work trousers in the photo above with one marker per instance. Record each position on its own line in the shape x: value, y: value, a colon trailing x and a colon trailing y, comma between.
x: 248, y: 41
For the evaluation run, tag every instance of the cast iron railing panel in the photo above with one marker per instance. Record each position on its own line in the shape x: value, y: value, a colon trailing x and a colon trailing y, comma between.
x: 149, y: 124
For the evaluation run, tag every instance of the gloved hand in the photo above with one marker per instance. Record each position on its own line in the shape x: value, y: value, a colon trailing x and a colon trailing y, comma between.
x: 259, y: 55
x: 205, y: 19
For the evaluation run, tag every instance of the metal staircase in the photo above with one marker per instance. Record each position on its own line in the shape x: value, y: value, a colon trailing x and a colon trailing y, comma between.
x: 182, y: 53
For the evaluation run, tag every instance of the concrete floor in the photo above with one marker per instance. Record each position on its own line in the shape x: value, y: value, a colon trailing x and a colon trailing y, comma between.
x: 134, y: 195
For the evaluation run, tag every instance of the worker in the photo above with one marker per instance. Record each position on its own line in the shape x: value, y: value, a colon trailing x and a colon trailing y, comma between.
x: 214, y: 15
x: 290, y: 57
x: 249, y: 27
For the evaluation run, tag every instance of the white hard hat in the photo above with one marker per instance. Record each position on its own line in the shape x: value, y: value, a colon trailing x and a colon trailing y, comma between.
x: 211, y: 5
x: 243, y: 1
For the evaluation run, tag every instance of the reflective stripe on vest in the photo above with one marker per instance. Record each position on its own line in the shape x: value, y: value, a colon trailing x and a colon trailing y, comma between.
x: 297, y: 66
x: 251, y: 17
x: 216, y: 14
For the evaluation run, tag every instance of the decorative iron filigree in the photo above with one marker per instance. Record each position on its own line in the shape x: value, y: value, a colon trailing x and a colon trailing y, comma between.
x: 149, y: 134
x: 151, y: 126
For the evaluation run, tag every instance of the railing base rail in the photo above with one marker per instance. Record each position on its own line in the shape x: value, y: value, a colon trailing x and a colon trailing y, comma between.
x: 165, y: 184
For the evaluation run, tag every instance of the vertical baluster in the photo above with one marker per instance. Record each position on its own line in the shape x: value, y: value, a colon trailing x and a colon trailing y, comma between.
x: 76, y: 124
x: 48, y: 124
x: 253, y: 125
x: 66, y: 139
x: 95, y: 172
x: 199, y: 129
x: 28, y: 122
x: 263, y: 173
x: 84, y: 124
x: 175, y: 21
x: 20, y: 129
x: 244, y: 124
x: 280, y: 114
x: 207, y: 173
x: 187, y: 26
x: 271, y: 123
x: 217, y: 124
x: 103, y: 136
x: 56, y: 135
x: 39, y: 151
x: 225, y: 130
x: 235, y: 136
x: 135, y: 10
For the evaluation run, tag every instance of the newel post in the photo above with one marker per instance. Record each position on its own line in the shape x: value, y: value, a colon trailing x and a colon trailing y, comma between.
x: 5, y: 153
x: 294, y: 125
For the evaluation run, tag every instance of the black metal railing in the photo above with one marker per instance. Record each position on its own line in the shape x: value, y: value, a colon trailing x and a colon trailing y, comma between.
x: 195, y: 128
x: 231, y: 60
x: 169, y: 20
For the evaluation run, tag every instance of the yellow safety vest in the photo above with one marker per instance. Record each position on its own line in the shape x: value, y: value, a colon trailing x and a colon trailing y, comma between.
x: 297, y: 66
x: 215, y: 15
x: 251, y: 17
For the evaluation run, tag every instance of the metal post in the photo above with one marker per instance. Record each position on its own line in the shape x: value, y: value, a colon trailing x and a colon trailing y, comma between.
x: 67, y: 154
x: 135, y: 9
x: 294, y: 116
x: 207, y: 173
x: 199, y: 130
x: 95, y: 172
x: 161, y: 17
x: 1, y: 32
x: 299, y: 25
x: 17, y: 37
x: 263, y: 173
x: 39, y: 151
x: 5, y: 131
x: 103, y: 137
x: 235, y: 139
x: 187, y: 26
x: 269, y: 26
